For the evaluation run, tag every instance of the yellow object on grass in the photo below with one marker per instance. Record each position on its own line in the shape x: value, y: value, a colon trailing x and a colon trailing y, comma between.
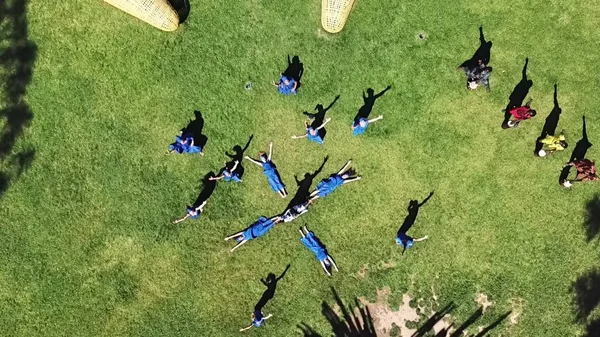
x: 334, y: 14
x: 158, y: 13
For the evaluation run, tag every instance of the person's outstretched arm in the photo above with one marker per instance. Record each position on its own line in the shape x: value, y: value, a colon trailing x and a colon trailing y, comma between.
x: 182, y: 219
x: 268, y: 316
x: 254, y: 161
x: 201, y: 206
x: 216, y: 178
x: 376, y: 119
x: 295, y: 86
x: 325, y: 268
x: 298, y: 137
x: 349, y: 180
x: 238, y: 245
x: 235, y: 165
x: 270, y: 150
x: 246, y: 328
x: 324, y: 123
x: 421, y: 239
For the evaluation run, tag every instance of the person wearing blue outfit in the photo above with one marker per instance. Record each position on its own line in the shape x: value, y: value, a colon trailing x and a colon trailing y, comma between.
x: 406, y: 241
x: 312, y: 132
x: 193, y: 212
x: 184, y: 143
x: 310, y: 241
x: 402, y: 238
x: 270, y: 170
x: 258, y: 319
x: 257, y: 229
x: 326, y: 186
x: 229, y: 174
x: 359, y: 127
x: 286, y: 85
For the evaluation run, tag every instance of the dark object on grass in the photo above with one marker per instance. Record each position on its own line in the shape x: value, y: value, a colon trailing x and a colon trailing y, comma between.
x: 482, y: 54
x: 182, y: 7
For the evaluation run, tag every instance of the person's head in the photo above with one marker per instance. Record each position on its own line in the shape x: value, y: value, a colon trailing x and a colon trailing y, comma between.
x: 286, y: 81
x: 306, y: 124
x: 183, y: 140
x: 363, y: 122
x: 306, y: 175
x: 480, y: 62
x: 271, y: 278
x: 312, y: 131
x: 564, y: 144
x: 532, y: 112
x: 319, y: 107
x: 413, y: 204
x: 295, y: 59
x: 227, y: 173
x: 370, y: 92
x: 349, y: 173
x: 263, y: 157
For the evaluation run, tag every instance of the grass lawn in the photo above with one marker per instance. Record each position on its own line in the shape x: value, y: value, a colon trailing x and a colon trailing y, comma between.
x: 86, y: 244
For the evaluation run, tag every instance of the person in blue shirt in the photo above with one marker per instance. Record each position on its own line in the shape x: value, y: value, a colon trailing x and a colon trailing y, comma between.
x: 257, y: 229
x: 360, y: 126
x: 286, y: 85
x: 184, y: 143
x: 330, y: 184
x: 270, y: 171
x: 310, y: 241
x: 258, y: 319
x: 406, y: 241
x: 312, y: 132
x: 229, y: 174
x: 402, y: 238
x: 193, y: 212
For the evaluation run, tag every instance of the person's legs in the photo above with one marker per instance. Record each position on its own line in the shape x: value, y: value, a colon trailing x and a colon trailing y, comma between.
x: 346, y: 166
x: 351, y: 179
x: 239, y: 244
x: 233, y: 236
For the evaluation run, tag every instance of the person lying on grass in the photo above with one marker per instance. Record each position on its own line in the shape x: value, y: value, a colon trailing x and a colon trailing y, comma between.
x: 193, y: 212
x: 520, y: 114
x: 270, y: 171
x: 359, y: 127
x: 310, y: 241
x: 312, y: 132
x: 294, y: 212
x: 286, y: 85
x: 229, y: 174
x: 326, y: 186
x: 257, y: 320
x: 552, y: 144
x: 257, y: 229
x: 184, y: 143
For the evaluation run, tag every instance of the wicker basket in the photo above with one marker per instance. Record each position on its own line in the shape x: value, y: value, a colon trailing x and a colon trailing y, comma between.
x: 158, y: 13
x: 334, y: 14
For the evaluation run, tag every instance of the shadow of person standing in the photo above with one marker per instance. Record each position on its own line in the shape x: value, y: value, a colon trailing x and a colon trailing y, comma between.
x: 271, y: 283
x: 238, y: 155
x: 582, y: 145
x: 413, y: 211
x: 482, y: 54
x: 304, y: 186
x: 318, y: 118
x: 295, y: 70
x: 518, y: 94
x: 368, y: 103
x: 550, y: 124
x: 195, y: 128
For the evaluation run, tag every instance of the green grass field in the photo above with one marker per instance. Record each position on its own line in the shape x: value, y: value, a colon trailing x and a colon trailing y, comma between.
x: 86, y: 244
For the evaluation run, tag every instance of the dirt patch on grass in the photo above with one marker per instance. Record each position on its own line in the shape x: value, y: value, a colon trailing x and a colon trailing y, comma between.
x: 384, y: 319
x: 517, y: 305
x: 483, y: 301
x: 362, y: 273
x: 382, y: 265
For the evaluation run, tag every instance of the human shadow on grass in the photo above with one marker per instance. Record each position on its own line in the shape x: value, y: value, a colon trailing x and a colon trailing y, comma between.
x: 182, y: 7
x: 318, y: 118
x: 592, y: 218
x: 518, y: 94
x: 238, y: 155
x: 368, y: 102
x: 586, y: 298
x: 17, y: 57
x: 550, y: 124
x: 413, y: 211
x: 427, y: 328
x: 482, y: 54
x: 582, y: 145
x: 433, y: 320
x: 353, y: 322
x: 295, y: 70
x: 304, y: 186
x: 194, y: 128
x: 271, y: 283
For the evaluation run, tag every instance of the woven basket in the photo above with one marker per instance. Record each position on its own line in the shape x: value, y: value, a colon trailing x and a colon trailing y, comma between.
x: 334, y: 14
x: 158, y: 13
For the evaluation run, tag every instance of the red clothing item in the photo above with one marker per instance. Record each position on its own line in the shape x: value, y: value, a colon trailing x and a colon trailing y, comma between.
x: 521, y: 113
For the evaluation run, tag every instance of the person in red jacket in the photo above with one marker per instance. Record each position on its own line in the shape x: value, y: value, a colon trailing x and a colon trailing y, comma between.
x: 519, y: 114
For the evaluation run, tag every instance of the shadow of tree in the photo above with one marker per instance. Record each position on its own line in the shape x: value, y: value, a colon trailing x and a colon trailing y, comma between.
x: 17, y: 56
x: 592, y: 218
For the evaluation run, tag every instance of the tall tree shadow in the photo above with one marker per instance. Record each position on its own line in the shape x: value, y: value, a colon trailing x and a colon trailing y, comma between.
x: 319, y: 116
x: 433, y: 320
x: 518, y: 94
x: 271, y: 283
x: 492, y: 326
x: 592, y: 218
x: 349, y: 324
x: 17, y: 57
x: 195, y: 128
x: 304, y: 186
x: 238, y: 155
x: 550, y: 124
x: 368, y: 102
x: 413, y: 211
x: 182, y: 7
x: 472, y: 319
x: 295, y: 70
x: 586, y: 298
x: 482, y: 54
x: 582, y: 145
